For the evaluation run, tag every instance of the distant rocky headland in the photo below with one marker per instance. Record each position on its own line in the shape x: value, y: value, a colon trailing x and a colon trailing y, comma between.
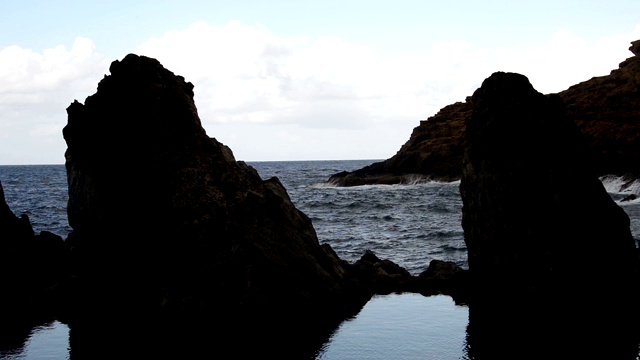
x: 606, y: 109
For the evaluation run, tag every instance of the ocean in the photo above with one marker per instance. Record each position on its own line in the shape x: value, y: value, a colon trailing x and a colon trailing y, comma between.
x: 407, y: 224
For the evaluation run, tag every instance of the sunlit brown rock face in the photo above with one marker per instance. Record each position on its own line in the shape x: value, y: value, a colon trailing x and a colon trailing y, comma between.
x: 165, y: 219
x: 607, y: 111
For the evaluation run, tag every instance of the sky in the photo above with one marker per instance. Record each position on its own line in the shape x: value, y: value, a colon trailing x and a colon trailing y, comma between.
x: 297, y: 80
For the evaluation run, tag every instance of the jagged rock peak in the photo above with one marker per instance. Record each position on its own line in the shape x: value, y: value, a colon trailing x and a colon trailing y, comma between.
x: 190, y: 228
x: 139, y: 98
x: 534, y: 213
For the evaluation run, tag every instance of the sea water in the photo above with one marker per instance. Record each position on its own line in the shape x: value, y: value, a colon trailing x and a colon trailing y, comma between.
x: 407, y: 224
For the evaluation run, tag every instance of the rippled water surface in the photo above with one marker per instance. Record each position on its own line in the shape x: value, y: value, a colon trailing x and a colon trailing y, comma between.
x: 40, y: 192
x: 408, y: 224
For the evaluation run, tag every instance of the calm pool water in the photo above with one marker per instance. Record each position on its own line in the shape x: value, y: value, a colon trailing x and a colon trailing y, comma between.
x: 406, y: 326
x: 397, y: 326
x: 45, y: 342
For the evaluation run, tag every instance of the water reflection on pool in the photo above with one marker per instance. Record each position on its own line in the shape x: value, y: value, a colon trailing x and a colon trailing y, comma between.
x: 401, y: 326
x: 45, y: 342
x: 397, y: 326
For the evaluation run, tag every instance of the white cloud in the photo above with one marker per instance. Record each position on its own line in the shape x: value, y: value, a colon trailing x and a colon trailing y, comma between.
x: 276, y: 97
x: 35, y: 90
x: 245, y: 73
x: 24, y: 71
x: 567, y: 59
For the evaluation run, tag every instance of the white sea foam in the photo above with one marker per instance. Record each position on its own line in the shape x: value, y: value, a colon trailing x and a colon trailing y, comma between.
x: 621, y: 184
x: 323, y: 185
x: 407, y: 181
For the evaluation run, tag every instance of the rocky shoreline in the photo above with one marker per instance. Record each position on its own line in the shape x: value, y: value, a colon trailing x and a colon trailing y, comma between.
x: 171, y: 232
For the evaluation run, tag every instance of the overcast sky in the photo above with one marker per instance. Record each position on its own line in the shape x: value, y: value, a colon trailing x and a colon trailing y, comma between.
x: 297, y: 80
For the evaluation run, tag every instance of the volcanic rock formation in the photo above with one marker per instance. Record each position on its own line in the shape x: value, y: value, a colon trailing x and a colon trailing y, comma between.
x: 165, y: 220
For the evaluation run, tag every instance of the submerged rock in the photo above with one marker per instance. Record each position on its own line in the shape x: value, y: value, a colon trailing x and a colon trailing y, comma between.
x: 165, y: 219
x: 382, y: 276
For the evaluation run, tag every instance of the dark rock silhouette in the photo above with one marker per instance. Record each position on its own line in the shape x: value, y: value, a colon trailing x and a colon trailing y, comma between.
x: 171, y: 234
x: 604, y: 108
x: 520, y: 142
x: 549, y: 251
x: 382, y: 276
x: 31, y: 266
x: 165, y: 214
x: 445, y: 277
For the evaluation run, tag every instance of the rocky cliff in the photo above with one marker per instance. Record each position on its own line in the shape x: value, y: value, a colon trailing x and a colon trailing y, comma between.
x: 605, y: 109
